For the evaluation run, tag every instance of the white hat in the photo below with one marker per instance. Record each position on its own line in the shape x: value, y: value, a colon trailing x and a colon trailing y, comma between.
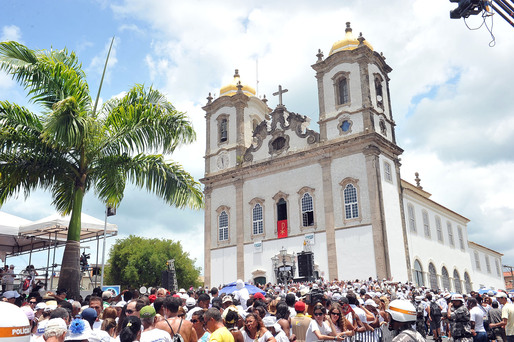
x: 269, y: 321
x: 182, y: 291
x: 227, y: 299
x: 79, y: 329
x: 190, y: 301
x: 336, y: 296
x: 371, y: 302
x: 501, y: 295
x: 458, y: 296
x: 402, y: 310
x: 11, y: 294
x: 184, y: 296
x: 55, y: 325
x: 120, y: 304
x: 40, y: 306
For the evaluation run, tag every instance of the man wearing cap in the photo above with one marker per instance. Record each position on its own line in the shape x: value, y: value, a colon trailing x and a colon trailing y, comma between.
x: 507, y: 315
x: 227, y: 301
x: 150, y: 333
x: 300, y: 323
x: 11, y: 296
x: 55, y: 330
x: 459, y: 315
x: 402, y: 315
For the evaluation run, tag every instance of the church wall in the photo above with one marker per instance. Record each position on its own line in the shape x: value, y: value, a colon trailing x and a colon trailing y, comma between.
x: 428, y: 249
x: 334, y: 132
x: 352, y: 166
x: 355, y: 88
x: 355, y: 253
x: 393, y: 221
x: 254, y: 112
x: 482, y: 275
x: 373, y: 69
x: 223, y: 266
x: 214, y: 141
x: 289, y: 182
x: 223, y: 197
x: 257, y: 261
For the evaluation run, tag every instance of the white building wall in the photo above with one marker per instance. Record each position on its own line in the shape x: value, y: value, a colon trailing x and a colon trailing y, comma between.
x: 393, y: 221
x: 355, y: 253
x: 223, y: 265
x: 225, y: 196
x: 482, y: 277
x: 353, y: 166
x: 288, y: 182
x: 231, y: 112
x: 333, y: 132
x: 354, y: 87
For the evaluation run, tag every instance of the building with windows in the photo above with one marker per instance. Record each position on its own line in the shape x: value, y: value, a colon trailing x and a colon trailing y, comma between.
x: 275, y: 188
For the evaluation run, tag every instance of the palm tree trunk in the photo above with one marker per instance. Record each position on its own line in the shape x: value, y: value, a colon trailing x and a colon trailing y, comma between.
x: 69, y: 278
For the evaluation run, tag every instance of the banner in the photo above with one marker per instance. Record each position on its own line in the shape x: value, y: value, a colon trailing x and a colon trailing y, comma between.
x: 282, y: 229
x: 309, y: 238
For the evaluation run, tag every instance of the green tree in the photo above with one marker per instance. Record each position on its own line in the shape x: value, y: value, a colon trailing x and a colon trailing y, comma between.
x: 137, y: 261
x: 70, y: 148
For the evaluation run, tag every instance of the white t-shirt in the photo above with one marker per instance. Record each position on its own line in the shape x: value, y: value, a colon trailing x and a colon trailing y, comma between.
x: 155, y: 335
x: 262, y: 338
x: 324, y: 329
x: 477, y: 315
x: 97, y: 325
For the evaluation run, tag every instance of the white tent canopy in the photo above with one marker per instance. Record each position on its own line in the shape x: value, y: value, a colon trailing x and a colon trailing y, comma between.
x: 9, y: 227
x: 57, y: 226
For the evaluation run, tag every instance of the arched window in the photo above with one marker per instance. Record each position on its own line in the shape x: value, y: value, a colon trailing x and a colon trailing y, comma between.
x: 307, y: 210
x: 450, y: 233
x: 477, y: 260
x: 257, y: 221
x: 418, y: 274
x: 223, y: 226
x: 439, y: 229
x: 467, y: 282
x: 343, y: 94
x: 456, y: 282
x: 351, y: 207
x: 223, y: 130
x: 446, y: 279
x: 433, y: 276
x: 412, y: 218
x: 461, y: 237
x: 378, y: 91
x: 426, y: 224
x: 383, y: 128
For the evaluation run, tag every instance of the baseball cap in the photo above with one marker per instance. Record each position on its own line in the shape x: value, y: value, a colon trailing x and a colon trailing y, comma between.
x: 370, y: 302
x: 228, y: 299
x: 258, y: 295
x: 299, y: 306
x: 147, y: 311
x: 501, y: 295
x: 11, y: 294
x: 55, y: 325
x: 120, y: 304
x: 458, y: 297
x: 89, y: 314
x: 190, y: 301
x: 40, y: 306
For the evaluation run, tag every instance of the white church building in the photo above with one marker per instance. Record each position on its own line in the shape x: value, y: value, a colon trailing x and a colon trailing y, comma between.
x: 275, y: 188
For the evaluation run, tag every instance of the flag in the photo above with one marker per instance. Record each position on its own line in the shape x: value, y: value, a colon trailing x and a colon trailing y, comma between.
x: 282, y: 229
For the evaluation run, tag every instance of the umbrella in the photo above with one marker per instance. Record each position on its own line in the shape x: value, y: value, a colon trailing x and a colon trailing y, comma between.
x: 485, y: 291
x: 229, y: 288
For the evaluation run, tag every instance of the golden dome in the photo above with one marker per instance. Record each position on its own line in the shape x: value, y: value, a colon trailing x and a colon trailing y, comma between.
x: 231, y: 89
x: 348, y: 43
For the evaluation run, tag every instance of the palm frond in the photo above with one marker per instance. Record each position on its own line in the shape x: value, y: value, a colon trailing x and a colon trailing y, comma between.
x: 166, y: 179
x: 144, y: 121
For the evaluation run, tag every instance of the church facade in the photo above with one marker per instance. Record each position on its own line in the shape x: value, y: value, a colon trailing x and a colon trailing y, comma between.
x: 275, y: 188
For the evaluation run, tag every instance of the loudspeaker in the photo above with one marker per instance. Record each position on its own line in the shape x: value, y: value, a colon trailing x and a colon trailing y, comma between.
x: 167, y: 280
x: 305, y: 264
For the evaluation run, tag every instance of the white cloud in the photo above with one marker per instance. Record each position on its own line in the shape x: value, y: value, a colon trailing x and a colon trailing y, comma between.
x: 10, y: 32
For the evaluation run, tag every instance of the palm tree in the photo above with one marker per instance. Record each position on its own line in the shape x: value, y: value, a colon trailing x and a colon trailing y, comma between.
x: 70, y: 148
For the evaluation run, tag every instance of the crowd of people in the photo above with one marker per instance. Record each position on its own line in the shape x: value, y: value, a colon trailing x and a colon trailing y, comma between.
x: 352, y: 311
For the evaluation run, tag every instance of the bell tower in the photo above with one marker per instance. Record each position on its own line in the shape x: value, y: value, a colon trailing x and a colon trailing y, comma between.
x: 353, y: 90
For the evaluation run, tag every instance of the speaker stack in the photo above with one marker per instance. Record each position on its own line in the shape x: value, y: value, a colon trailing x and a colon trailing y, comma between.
x: 306, y: 265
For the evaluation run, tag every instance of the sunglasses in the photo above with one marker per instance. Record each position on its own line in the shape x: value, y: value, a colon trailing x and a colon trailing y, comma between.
x: 318, y: 314
x: 194, y: 321
x: 335, y: 313
x: 130, y: 312
x: 33, y: 302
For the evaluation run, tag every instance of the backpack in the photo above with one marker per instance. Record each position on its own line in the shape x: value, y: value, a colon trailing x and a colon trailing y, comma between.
x: 176, y: 337
x: 26, y: 285
x: 435, y: 310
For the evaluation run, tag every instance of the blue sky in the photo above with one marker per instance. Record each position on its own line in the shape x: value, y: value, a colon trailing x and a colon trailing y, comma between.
x: 448, y: 88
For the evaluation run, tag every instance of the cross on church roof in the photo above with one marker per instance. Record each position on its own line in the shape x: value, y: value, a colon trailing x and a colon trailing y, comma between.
x: 279, y: 93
